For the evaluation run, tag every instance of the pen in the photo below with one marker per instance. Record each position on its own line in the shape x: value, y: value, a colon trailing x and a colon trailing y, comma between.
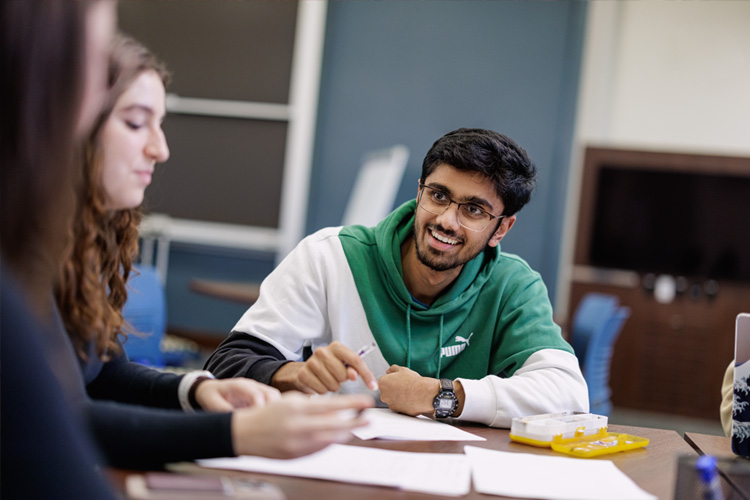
x: 709, y: 477
x: 362, y: 352
x: 366, y: 349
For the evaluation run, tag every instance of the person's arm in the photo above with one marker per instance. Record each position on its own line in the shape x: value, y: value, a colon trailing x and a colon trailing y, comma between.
x: 137, y: 437
x: 290, y: 313
x: 128, y: 382
x: 297, y: 425
x: 324, y: 371
x: 242, y: 355
x: 549, y: 381
x: 533, y: 370
x: 727, y: 399
x: 125, y: 381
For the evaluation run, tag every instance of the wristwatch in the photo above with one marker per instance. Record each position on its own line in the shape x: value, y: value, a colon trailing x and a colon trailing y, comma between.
x: 446, y: 402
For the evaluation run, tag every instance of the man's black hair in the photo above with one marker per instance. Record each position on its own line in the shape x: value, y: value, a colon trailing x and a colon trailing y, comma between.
x: 491, y: 154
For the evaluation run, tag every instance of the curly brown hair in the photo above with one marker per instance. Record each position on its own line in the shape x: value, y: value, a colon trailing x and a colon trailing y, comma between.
x: 91, y: 288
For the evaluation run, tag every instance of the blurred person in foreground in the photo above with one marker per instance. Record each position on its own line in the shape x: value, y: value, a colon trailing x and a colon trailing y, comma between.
x: 53, y: 57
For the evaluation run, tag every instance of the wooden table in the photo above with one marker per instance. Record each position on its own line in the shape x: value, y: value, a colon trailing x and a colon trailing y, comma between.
x: 242, y: 292
x: 721, y: 448
x: 707, y: 444
x: 653, y: 468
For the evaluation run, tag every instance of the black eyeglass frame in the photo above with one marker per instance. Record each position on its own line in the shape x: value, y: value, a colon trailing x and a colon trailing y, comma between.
x: 451, y: 201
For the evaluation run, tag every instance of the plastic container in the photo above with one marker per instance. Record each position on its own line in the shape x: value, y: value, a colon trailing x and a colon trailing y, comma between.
x: 540, y: 430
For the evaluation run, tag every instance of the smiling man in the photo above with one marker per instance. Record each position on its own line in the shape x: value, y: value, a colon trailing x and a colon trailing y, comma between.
x: 462, y: 329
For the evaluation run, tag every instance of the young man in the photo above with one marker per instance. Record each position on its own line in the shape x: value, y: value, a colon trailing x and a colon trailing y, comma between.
x: 462, y: 330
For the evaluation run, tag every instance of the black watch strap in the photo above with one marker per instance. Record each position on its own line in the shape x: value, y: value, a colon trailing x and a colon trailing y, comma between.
x: 446, y: 402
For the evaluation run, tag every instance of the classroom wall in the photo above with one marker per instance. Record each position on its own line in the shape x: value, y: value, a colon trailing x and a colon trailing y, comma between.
x: 407, y: 73
x: 665, y: 76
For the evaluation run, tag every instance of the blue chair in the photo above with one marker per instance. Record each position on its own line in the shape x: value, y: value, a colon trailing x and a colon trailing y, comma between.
x: 146, y: 311
x: 596, y: 325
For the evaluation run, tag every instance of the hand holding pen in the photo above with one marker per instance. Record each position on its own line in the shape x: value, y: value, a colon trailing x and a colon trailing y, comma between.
x: 354, y: 371
x: 325, y: 371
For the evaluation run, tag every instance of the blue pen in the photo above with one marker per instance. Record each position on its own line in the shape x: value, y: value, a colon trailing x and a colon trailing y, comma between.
x: 709, y: 477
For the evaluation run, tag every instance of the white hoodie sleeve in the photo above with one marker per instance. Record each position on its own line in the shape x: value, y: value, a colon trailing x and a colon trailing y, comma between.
x: 549, y: 381
x: 292, y: 306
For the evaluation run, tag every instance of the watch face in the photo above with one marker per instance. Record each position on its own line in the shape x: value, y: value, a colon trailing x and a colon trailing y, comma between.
x: 445, y: 404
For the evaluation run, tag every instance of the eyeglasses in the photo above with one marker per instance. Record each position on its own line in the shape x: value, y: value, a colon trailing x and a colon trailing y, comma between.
x: 470, y: 215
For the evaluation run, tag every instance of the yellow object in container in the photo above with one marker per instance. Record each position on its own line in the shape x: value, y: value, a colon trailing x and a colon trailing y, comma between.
x: 601, y: 443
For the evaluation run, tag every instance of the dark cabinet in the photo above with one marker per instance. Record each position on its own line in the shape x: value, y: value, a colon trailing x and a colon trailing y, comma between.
x: 644, y: 214
x: 670, y: 358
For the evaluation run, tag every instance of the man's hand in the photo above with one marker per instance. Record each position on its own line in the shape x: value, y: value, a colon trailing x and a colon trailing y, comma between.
x: 406, y: 391
x: 231, y: 393
x: 324, y: 371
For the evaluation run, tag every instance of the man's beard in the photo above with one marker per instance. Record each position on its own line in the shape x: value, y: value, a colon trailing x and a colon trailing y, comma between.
x: 436, y: 263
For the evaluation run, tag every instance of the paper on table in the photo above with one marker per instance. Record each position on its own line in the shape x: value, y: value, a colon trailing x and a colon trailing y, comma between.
x: 434, y: 473
x: 387, y: 424
x: 517, y: 475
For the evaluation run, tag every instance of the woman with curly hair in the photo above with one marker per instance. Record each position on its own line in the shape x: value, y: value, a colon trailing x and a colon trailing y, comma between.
x: 119, y: 159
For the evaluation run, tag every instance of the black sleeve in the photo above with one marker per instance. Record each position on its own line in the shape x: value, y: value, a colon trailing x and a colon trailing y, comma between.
x: 242, y: 355
x: 46, y: 451
x: 137, y: 437
x: 128, y: 382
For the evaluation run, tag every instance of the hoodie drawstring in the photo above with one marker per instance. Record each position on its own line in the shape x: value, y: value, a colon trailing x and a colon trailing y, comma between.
x: 408, y: 341
x: 408, y: 336
x: 440, y: 348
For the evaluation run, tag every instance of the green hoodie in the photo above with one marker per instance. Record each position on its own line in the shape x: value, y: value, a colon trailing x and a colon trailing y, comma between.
x: 488, y: 322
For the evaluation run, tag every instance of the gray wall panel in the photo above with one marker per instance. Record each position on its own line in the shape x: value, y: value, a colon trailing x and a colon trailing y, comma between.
x: 408, y: 72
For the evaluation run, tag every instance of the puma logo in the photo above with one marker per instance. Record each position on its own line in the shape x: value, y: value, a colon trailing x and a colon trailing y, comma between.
x: 453, y: 350
x: 465, y: 341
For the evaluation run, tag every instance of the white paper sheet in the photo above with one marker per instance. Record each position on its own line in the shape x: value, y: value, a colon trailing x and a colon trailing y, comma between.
x: 434, y: 473
x: 518, y: 474
x: 387, y: 424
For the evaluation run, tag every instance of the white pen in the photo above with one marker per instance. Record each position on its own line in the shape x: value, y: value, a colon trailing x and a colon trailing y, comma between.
x: 366, y: 349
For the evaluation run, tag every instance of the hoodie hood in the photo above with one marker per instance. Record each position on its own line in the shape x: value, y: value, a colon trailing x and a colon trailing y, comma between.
x: 390, y: 235
x: 408, y: 333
